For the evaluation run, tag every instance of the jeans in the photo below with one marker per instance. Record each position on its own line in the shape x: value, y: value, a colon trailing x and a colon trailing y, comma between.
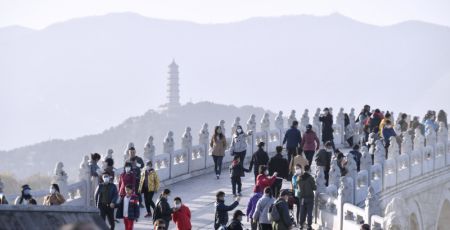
x: 306, y: 209
x: 236, y: 181
x: 218, y: 164
x: 148, y: 197
x: 106, y: 211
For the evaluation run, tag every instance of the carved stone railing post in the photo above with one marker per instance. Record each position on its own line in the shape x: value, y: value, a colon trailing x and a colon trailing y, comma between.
x: 265, y: 127
x: 372, y: 204
x: 109, y: 154
x: 291, y: 118
x: 87, y: 192
x: 279, y: 124
x: 125, y: 154
x: 169, y: 147
x: 237, y: 122
x: 251, y: 123
x: 344, y: 196
x: 60, y: 178
x: 149, y: 150
x: 304, y: 121
x: 186, y: 145
x: 317, y: 126
x: 203, y: 139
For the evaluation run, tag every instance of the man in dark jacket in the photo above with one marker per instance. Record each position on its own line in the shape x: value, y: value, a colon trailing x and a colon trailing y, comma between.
x: 163, y: 210
x: 278, y: 164
x: 327, y: 126
x: 260, y: 157
x: 106, y: 196
x: 307, y: 187
x: 292, y: 139
x: 221, y: 215
x: 236, y: 222
x: 357, y: 156
x: 282, y: 207
x: 323, y: 159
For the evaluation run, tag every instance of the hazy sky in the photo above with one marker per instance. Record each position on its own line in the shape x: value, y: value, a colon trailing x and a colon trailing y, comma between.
x: 41, y: 13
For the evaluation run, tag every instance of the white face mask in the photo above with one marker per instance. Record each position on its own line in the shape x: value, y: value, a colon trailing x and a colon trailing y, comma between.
x: 52, y: 190
x: 219, y: 131
x: 329, y: 149
x: 266, y: 172
x: 178, y: 205
x: 388, y: 126
x: 106, y: 179
x: 148, y: 167
x: 239, y: 130
x: 127, y: 169
x: 298, y: 171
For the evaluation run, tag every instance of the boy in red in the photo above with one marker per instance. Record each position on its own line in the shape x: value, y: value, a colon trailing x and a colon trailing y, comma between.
x: 128, y: 208
x: 181, y: 215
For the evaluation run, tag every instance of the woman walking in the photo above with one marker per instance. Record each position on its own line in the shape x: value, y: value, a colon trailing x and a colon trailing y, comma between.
x: 218, y: 144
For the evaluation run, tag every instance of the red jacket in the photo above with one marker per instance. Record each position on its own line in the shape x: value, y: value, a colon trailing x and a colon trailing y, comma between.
x: 124, y: 180
x: 263, y: 181
x: 310, y: 141
x: 182, y: 218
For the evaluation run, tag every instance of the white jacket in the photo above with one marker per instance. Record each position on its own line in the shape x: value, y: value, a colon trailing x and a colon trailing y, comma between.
x: 262, y: 209
x: 239, y: 143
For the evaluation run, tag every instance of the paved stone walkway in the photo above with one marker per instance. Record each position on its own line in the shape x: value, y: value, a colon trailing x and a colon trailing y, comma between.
x: 198, y: 194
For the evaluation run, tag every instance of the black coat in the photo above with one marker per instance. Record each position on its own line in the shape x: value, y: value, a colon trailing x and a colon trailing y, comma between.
x: 221, y: 216
x: 235, y: 225
x: 323, y: 158
x: 327, y: 127
x: 280, y: 165
x: 162, y: 210
x: 259, y: 158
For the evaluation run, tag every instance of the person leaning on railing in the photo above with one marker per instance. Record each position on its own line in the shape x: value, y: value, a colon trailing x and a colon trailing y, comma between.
x: 55, y: 197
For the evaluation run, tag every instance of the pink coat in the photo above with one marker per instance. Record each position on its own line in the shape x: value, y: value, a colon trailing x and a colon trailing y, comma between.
x: 310, y: 141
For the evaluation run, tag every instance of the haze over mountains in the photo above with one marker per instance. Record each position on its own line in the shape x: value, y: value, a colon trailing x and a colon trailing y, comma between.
x: 84, y: 75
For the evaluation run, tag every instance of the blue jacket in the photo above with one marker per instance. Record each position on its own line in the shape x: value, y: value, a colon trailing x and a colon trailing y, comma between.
x: 133, y: 208
x: 388, y: 133
x: 112, y: 196
x: 221, y: 216
x: 292, y: 138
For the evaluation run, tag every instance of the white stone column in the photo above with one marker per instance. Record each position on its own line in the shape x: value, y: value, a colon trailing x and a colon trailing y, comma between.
x: 149, y: 150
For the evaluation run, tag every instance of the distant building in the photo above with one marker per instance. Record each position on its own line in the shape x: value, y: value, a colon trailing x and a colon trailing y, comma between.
x: 173, y: 87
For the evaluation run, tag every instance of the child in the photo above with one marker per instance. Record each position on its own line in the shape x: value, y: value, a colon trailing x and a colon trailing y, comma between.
x: 128, y: 208
x: 236, y: 171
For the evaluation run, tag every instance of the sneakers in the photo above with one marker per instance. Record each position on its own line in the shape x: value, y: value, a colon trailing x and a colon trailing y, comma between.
x: 234, y: 195
x: 148, y: 215
x: 217, y: 176
x: 239, y: 194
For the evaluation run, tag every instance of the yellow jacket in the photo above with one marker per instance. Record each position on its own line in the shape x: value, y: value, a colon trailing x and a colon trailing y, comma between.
x: 382, y: 124
x: 152, y: 179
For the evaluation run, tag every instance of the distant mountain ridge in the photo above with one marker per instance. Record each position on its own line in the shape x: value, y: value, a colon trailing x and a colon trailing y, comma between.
x: 82, y: 75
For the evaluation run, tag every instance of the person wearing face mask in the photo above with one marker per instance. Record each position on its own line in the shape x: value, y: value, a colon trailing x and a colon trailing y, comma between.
x: 388, y: 132
x: 163, y: 210
x: 218, y: 145
x: 127, y: 177
x: 181, y: 215
x: 236, y: 222
x: 251, y: 207
x: 307, y: 186
x: 221, y: 214
x: 106, y: 197
x: 285, y: 222
x: 55, y: 197
x: 25, y: 198
x: 148, y: 185
x: 294, y: 187
x: 239, y: 144
x: 264, y: 180
x: 327, y: 126
x: 128, y: 208
x: 323, y: 159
